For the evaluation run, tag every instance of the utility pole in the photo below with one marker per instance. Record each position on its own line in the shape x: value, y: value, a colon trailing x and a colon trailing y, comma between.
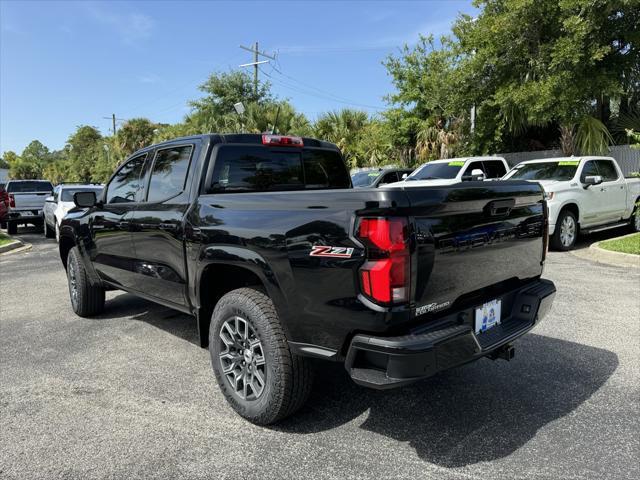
x: 256, y: 52
x: 113, y: 121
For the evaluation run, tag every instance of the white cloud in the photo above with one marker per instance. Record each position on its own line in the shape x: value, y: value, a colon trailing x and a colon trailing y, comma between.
x: 131, y: 27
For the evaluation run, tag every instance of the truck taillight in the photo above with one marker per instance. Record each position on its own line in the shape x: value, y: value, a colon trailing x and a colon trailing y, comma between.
x: 282, y: 140
x: 385, y: 276
x: 12, y: 200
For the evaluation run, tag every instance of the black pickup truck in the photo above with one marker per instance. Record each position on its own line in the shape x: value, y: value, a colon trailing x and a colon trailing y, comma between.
x: 264, y: 241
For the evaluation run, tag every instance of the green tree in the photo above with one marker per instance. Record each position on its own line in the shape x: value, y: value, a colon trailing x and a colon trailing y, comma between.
x: 84, y: 151
x: 134, y: 135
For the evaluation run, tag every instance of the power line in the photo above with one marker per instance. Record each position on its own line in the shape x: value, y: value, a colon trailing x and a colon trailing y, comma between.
x: 256, y: 64
x: 113, y: 120
x: 322, y: 96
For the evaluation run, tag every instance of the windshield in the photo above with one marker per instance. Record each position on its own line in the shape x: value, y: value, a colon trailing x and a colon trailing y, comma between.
x: 433, y: 171
x: 562, y: 170
x: 28, y: 186
x: 68, y: 193
x: 364, y: 179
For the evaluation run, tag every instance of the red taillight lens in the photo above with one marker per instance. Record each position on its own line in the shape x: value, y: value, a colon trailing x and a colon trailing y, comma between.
x: 281, y: 140
x: 12, y: 200
x: 385, y: 277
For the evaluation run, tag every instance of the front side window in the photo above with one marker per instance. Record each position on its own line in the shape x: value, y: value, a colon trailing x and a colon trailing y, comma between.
x: 126, y: 183
x: 494, y: 169
x: 590, y: 169
x: 474, y: 166
x: 68, y: 193
x: 169, y: 173
x: 607, y: 170
x: 364, y: 179
x: 389, y: 178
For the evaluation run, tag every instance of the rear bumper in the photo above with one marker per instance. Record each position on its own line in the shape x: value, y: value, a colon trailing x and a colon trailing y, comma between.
x: 34, y: 215
x: 387, y: 362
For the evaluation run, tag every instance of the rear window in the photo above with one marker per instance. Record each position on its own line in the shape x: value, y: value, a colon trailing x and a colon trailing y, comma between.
x: 256, y: 169
x: 26, y: 186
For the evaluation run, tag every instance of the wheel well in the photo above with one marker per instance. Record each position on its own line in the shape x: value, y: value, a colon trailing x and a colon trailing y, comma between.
x: 216, y: 281
x: 573, y: 208
x: 66, y: 244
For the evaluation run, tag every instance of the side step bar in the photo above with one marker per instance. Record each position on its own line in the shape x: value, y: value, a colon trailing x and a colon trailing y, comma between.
x: 604, y: 227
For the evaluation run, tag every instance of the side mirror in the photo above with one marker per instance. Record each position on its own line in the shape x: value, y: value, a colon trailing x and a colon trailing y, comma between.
x: 592, y: 180
x: 477, y: 175
x: 84, y: 199
x: 404, y: 176
x: 49, y: 199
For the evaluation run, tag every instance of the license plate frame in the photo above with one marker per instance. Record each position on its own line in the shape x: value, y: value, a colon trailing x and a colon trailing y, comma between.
x: 488, y: 316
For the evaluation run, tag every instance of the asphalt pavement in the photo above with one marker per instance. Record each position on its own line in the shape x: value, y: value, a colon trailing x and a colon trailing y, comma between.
x: 130, y: 395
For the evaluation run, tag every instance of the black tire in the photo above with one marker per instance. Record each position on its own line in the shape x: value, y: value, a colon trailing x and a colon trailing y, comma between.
x: 564, y: 241
x: 3, y: 225
x: 287, y: 377
x: 88, y: 299
x: 634, y: 221
x: 12, y: 228
x: 48, y: 233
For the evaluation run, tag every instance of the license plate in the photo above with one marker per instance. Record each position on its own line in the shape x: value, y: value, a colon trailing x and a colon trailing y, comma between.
x: 488, y: 315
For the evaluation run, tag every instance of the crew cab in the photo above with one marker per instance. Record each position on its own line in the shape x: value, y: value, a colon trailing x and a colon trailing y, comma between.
x: 584, y: 195
x: 264, y: 241
x: 26, y: 200
x: 455, y: 170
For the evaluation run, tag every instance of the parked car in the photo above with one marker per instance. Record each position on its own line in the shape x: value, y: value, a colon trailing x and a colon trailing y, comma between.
x: 264, y: 241
x: 26, y: 201
x: 379, y: 177
x: 57, y: 205
x: 455, y: 170
x: 585, y: 195
x: 4, y: 206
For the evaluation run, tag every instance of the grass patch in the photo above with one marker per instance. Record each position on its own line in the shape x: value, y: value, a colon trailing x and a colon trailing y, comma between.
x: 630, y: 244
x: 4, y: 239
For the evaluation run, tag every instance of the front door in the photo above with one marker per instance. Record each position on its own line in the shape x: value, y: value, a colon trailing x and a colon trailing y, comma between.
x: 112, y: 252
x: 157, y: 225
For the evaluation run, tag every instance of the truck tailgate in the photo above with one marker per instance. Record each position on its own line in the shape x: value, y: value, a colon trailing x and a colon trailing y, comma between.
x: 472, y: 236
x: 30, y: 200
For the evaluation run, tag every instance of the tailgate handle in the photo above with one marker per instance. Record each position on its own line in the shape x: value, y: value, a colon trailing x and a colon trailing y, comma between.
x: 499, y: 208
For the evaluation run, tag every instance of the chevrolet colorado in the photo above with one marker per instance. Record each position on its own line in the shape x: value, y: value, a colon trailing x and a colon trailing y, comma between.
x: 264, y: 241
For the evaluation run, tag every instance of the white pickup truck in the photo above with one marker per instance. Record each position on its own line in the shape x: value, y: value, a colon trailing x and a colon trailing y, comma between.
x: 584, y: 195
x: 454, y: 170
x: 26, y: 201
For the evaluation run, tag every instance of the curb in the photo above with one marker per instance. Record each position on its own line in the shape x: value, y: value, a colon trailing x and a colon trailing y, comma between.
x: 15, y: 247
x: 600, y: 255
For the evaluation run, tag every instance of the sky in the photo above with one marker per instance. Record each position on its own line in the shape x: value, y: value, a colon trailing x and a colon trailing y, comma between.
x: 65, y: 64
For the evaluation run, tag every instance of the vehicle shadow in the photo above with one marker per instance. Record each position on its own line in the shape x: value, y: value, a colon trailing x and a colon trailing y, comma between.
x: 478, y: 412
x: 139, y: 309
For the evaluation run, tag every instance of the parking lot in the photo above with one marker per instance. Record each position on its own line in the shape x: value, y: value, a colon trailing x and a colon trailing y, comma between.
x: 131, y: 395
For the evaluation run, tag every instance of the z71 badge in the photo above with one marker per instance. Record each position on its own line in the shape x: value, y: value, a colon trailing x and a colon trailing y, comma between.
x: 327, y: 251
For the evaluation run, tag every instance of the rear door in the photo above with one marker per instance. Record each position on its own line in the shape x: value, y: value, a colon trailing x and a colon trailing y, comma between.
x: 613, y: 188
x: 112, y: 253
x: 157, y: 224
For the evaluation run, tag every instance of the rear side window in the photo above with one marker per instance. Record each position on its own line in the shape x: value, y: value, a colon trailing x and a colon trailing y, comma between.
x: 324, y: 169
x: 607, y: 170
x: 494, y: 169
x: 169, y: 173
x: 126, y: 183
x: 26, y: 186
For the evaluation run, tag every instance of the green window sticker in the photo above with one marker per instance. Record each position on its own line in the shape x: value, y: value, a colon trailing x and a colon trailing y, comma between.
x: 569, y: 163
x: 456, y: 164
x: 374, y: 174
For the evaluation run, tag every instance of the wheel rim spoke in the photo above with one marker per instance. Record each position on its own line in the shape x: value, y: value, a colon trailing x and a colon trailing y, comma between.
x: 242, y: 358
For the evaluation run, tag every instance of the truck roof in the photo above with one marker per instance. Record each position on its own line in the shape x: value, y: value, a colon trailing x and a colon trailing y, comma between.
x: 567, y: 159
x: 246, y: 138
x: 465, y: 159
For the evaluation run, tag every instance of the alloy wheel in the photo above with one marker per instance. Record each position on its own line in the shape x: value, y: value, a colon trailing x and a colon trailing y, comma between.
x: 568, y: 231
x: 73, y: 283
x: 242, y: 358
